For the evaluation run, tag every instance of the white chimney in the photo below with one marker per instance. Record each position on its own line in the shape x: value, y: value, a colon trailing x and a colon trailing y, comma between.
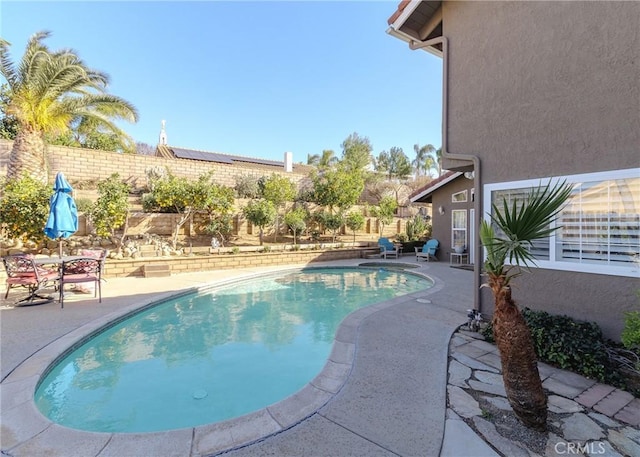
x: 288, y: 162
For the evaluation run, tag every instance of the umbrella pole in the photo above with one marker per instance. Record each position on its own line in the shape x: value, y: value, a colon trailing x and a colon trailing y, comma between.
x: 60, y: 246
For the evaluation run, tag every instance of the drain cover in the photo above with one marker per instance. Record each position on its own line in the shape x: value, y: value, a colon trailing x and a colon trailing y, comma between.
x: 199, y: 394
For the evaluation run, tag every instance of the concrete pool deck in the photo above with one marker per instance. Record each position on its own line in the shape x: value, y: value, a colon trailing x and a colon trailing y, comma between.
x: 370, y: 397
x: 382, y: 392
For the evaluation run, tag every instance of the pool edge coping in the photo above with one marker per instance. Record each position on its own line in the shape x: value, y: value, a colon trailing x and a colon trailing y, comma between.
x: 207, y: 439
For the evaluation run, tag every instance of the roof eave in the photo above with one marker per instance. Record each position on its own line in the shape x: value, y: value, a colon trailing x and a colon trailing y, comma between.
x: 431, y: 189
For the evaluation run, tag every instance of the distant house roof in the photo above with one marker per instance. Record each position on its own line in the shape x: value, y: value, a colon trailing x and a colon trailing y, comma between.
x: 423, y: 194
x: 207, y: 156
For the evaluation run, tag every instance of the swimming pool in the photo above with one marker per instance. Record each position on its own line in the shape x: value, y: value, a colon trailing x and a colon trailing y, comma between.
x: 213, y: 355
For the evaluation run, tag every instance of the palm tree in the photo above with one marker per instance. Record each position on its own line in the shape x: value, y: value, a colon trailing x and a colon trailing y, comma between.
x: 519, y: 225
x: 437, y: 154
x: 324, y: 161
x: 423, y: 162
x: 50, y: 93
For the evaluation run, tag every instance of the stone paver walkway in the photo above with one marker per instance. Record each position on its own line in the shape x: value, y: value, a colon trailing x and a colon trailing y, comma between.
x: 585, y: 417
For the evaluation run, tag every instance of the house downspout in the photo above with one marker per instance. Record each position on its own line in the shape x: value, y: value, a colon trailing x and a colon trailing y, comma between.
x: 477, y: 204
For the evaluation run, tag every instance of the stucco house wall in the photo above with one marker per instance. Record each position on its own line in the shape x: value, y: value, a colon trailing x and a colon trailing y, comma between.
x: 536, y: 91
x: 441, y: 223
x: 546, y: 89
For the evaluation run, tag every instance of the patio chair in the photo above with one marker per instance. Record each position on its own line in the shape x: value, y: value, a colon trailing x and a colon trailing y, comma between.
x: 80, y: 270
x: 428, y: 251
x: 23, y: 272
x: 387, y: 248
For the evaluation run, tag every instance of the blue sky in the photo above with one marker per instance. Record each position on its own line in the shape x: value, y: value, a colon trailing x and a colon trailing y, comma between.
x: 249, y: 78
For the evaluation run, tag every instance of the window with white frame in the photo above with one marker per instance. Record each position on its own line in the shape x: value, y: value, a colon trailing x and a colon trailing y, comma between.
x: 599, y: 226
x: 459, y: 197
x: 459, y: 227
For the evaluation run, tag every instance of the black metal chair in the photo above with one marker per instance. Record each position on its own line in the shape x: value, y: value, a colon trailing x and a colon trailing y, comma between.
x: 23, y: 272
x: 81, y: 270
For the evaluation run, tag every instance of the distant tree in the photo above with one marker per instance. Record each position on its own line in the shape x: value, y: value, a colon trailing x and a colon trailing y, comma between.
x: 324, y: 161
x: 354, y: 221
x: 424, y: 161
x: 393, y: 164
x: 295, y: 220
x: 218, y: 207
x: 278, y: 190
x: 249, y: 186
x: 24, y: 208
x: 51, y: 93
x: 438, y: 159
x: 110, y: 212
x: 337, y: 188
x: 182, y: 196
x: 260, y: 213
x: 384, y: 212
x: 356, y: 152
x: 332, y: 222
x: 8, y: 124
x: 145, y: 149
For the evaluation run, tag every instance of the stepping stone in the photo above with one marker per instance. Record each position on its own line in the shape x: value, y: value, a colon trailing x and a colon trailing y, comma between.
x: 463, y: 403
x: 546, y: 370
x: 579, y: 427
x: 614, y: 402
x: 604, y: 420
x: 471, y: 350
x: 500, y: 403
x: 560, y: 388
x: 494, y: 389
x: 488, y: 377
x: 563, y: 405
x: 629, y: 447
x: 630, y: 414
x: 594, y: 394
x: 472, y: 363
x: 492, y: 359
x: 631, y: 433
x: 602, y: 449
x: 458, y: 374
x: 460, y: 439
x: 483, y: 345
x: 573, y: 379
x: 504, y: 445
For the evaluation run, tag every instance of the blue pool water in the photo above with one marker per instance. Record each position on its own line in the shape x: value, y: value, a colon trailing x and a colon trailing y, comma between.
x: 214, y: 355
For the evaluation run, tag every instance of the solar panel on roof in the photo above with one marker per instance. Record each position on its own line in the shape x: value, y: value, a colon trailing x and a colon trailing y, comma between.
x: 220, y: 158
x: 201, y: 155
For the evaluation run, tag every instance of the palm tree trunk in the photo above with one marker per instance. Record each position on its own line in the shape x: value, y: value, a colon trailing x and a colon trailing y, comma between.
x: 28, y: 156
x: 519, y: 361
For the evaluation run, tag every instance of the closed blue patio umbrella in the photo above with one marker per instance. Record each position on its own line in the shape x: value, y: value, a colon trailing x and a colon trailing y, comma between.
x: 63, y: 213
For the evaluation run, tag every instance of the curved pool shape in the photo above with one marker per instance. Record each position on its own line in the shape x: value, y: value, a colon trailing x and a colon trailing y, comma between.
x: 213, y: 355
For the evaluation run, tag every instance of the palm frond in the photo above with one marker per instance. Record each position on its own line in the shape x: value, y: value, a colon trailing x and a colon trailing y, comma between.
x: 522, y: 223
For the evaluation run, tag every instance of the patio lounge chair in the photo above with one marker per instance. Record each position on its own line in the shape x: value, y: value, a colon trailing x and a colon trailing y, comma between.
x: 23, y: 272
x: 387, y: 248
x: 428, y: 250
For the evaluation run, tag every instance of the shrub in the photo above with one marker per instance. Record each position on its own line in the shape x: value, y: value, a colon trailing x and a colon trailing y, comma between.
x: 568, y: 344
x: 24, y: 207
x: 235, y: 250
x: 631, y: 332
x: 416, y: 228
x: 249, y: 186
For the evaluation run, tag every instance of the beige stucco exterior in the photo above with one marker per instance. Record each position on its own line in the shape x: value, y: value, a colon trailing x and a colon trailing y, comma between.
x: 538, y: 90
